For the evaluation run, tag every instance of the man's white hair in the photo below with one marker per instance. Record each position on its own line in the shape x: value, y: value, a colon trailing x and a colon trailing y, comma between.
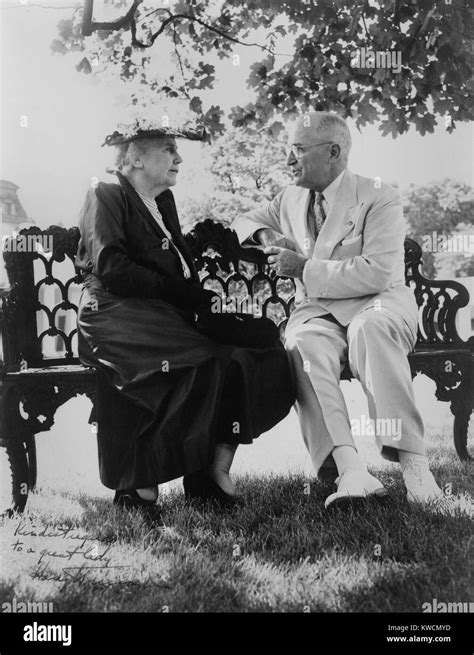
x: 331, y: 127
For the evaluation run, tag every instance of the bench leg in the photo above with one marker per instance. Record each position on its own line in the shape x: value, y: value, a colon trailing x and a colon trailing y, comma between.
x: 15, y: 477
x: 462, y: 413
x: 32, y: 466
x: 14, y: 469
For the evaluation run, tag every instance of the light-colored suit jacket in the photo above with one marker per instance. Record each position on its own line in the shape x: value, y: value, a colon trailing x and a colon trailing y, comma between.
x: 358, y: 259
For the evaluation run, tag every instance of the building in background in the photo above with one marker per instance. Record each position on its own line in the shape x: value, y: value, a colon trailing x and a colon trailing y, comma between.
x: 11, y: 209
x: 13, y: 219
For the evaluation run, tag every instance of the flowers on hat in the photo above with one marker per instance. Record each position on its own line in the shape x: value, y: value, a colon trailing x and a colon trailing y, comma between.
x: 170, y: 118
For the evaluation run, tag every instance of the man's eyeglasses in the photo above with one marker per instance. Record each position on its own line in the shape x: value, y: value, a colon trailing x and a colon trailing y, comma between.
x: 299, y: 151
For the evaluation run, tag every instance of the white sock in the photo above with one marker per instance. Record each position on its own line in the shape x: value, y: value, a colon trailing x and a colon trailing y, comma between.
x: 407, y: 460
x: 347, y: 458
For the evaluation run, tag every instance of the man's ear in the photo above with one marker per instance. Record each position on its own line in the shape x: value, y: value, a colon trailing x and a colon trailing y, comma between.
x: 335, y: 151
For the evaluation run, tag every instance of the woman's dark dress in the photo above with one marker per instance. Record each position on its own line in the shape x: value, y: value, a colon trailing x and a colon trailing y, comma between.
x: 168, y: 392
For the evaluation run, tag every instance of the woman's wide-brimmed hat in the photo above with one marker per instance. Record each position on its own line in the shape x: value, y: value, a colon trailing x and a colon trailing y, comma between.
x: 118, y: 138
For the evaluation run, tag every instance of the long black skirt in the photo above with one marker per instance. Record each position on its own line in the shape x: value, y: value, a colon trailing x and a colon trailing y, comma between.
x: 167, y: 393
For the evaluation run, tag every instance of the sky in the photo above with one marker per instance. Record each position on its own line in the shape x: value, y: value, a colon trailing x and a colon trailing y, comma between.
x: 54, y: 157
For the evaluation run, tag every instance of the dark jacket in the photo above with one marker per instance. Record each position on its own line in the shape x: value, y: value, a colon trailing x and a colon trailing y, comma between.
x: 124, y: 251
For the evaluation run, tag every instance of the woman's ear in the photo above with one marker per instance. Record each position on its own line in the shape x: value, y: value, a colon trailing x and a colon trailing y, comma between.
x: 135, y: 156
x: 136, y: 162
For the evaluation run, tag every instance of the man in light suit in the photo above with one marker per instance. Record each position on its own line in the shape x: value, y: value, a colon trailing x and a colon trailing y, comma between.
x: 341, y: 236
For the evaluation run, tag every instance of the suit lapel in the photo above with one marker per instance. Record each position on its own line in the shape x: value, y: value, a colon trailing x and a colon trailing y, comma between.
x: 299, y: 224
x: 341, y: 218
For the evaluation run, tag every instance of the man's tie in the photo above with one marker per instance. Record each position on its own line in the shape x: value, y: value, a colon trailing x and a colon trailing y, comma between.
x: 316, y: 212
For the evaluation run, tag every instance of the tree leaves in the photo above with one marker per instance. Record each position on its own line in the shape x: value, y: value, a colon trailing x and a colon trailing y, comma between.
x: 212, y: 120
x: 203, y: 76
x: 58, y: 46
x: 84, y: 66
x: 433, y: 42
x: 425, y: 123
x: 439, y: 208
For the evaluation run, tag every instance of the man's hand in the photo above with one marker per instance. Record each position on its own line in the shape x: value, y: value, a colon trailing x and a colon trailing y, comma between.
x: 285, y: 262
x: 269, y: 237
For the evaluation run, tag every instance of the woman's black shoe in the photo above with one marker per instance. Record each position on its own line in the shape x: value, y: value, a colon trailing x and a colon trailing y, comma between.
x: 130, y: 499
x: 200, y: 486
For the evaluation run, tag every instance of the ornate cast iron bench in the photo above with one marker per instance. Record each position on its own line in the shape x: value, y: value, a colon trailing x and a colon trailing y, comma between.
x: 35, y: 382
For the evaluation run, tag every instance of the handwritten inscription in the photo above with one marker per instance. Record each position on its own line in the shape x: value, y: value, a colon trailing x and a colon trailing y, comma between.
x: 76, y: 558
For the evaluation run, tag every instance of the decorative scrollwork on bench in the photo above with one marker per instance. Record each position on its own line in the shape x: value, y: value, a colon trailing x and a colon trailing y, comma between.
x: 39, y: 402
x: 448, y: 372
x: 224, y: 265
x: 36, y: 312
x: 237, y: 272
x: 438, y: 301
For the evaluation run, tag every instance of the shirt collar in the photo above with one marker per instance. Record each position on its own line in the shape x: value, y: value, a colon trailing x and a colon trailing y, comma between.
x: 331, y: 190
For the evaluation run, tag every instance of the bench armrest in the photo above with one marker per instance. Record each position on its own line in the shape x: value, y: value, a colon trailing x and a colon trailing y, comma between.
x: 438, y: 301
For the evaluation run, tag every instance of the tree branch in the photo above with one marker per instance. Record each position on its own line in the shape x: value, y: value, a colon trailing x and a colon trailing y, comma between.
x: 89, y: 25
x: 178, y: 56
x: 128, y: 21
x: 366, y: 30
x: 175, y: 17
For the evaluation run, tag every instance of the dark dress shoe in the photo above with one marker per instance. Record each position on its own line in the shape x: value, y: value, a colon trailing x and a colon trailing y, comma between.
x: 130, y: 499
x: 327, y: 475
x: 201, y: 487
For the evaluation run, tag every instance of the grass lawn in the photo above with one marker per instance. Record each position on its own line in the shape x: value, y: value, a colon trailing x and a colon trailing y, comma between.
x: 281, y: 552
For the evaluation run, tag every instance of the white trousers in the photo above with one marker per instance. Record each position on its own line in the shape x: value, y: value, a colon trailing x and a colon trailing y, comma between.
x: 376, y: 345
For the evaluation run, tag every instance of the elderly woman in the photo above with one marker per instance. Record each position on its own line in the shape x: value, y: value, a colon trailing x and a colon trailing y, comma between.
x: 171, y: 401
